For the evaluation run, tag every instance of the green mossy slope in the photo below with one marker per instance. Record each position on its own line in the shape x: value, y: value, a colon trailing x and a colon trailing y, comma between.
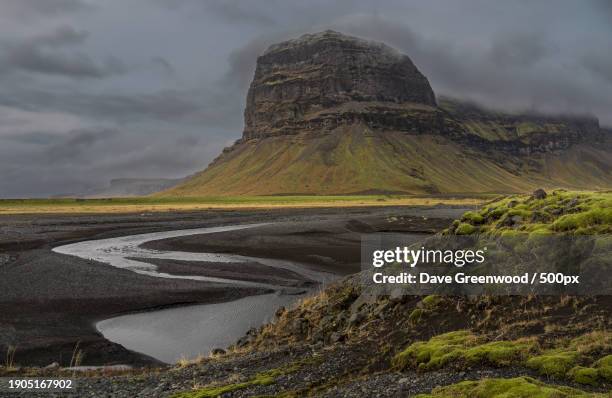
x: 356, y: 159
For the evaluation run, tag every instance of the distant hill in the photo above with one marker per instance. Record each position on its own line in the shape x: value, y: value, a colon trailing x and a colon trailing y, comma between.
x: 333, y: 114
x: 122, y: 187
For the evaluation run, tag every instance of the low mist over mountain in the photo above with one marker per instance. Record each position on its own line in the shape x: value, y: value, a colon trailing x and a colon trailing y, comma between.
x: 333, y: 114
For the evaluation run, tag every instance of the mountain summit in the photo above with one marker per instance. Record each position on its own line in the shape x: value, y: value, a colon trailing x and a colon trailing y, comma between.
x: 328, y: 113
x: 323, y: 80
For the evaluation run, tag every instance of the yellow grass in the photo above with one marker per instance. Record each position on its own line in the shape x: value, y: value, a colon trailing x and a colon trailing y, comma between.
x: 146, y: 205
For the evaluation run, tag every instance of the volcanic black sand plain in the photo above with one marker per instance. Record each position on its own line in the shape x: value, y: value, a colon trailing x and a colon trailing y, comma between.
x: 50, y: 301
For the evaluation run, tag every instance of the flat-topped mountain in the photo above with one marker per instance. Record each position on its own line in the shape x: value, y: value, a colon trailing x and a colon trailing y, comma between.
x: 327, y: 79
x: 328, y: 113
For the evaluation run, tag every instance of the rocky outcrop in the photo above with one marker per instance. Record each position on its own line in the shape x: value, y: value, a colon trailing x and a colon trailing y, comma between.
x: 323, y: 80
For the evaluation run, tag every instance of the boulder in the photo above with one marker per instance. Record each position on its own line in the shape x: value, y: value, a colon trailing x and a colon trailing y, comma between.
x: 217, y: 351
x: 539, y: 194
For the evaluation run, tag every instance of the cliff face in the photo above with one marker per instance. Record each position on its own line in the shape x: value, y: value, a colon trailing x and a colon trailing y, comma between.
x: 332, y: 114
x: 322, y: 80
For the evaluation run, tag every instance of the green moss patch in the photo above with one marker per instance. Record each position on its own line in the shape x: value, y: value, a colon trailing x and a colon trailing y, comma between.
x: 520, y: 387
x: 215, y: 391
x: 590, y: 218
x: 554, y: 363
x: 431, y: 301
x: 600, y: 371
x: 579, y: 359
x: 500, y: 353
x: 461, y: 347
x: 604, y: 368
x: 416, y: 315
x: 465, y: 229
x: 583, y: 375
x: 560, y: 212
x: 261, y: 379
x: 472, y: 217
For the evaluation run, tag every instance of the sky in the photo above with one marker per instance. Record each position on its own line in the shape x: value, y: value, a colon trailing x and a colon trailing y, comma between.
x: 92, y: 90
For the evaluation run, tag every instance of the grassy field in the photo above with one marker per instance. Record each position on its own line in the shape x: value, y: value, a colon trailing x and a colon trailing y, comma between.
x: 167, y: 204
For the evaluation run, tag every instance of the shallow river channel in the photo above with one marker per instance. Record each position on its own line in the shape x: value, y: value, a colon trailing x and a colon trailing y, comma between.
x: 186, y: 332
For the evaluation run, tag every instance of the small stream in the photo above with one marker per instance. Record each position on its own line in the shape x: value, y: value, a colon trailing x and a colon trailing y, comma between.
x: 186, y: 332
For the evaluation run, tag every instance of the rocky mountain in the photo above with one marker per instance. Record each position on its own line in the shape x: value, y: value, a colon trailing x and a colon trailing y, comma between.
x: 327, y: 80
x: 328, y: 113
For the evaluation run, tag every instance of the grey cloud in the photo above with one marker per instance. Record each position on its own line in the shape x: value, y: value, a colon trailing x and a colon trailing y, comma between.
x: 515, y: 72
x: 78, y: 143
x: 75, y: 65
x: 599, y: 64
x: 232, y: 11
x: 62, y: 36
x: 34, y: 137
x: 163, y: 65
x: 42, y: 54
x: 27, y: 9
x: 523, y: 49
x: 236, y: 11
x: 88, y: 158
x: 165, y: 105
x: 605, y: 7
x: 242, y: 62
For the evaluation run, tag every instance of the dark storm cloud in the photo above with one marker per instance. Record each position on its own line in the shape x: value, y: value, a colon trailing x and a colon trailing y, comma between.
x: 42, y: 54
